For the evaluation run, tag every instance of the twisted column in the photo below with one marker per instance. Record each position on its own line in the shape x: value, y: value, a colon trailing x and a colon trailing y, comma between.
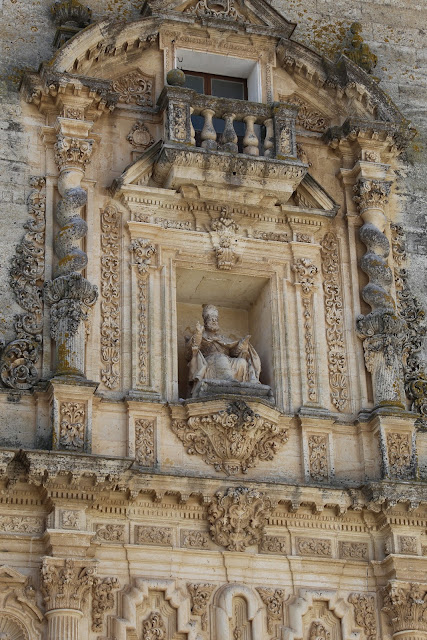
x: 70, y: 294
x: 381, y: 329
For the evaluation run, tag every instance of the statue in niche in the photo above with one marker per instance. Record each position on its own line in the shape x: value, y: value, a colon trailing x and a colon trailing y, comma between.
x: 218, y: 364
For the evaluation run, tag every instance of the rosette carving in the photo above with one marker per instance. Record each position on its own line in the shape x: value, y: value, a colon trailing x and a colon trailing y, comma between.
x: 237, y: 517
x: 232, y: 440
x: 18, y: 361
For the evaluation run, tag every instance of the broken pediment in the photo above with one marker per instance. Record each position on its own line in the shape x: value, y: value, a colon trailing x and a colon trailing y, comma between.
x: 311, y: 195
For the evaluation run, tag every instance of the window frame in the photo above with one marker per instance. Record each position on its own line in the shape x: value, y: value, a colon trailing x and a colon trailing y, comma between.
x: 207, y: 77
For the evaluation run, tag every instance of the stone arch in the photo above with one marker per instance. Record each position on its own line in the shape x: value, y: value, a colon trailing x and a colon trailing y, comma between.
x: 133, y: 612
x: 12, y: 628
x: 222, y: 609
x: 335, y: 604
x: 20, y: 617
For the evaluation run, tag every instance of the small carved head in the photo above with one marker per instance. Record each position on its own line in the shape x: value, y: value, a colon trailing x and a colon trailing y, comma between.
x: 210, y: 317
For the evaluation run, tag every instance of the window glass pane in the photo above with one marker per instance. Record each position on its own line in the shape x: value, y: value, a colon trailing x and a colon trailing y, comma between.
x: 195, y: 82
x: 228, y: 88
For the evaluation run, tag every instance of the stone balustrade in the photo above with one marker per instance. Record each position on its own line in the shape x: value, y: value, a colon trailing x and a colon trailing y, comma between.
x: 275, y: 138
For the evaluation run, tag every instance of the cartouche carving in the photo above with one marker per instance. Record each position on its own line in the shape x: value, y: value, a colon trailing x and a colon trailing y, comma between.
x: 139, y: 136
x: 135, y: 87
x: 364, y: 613
x: 308, y: 118
x: 237, y: 517
x: 110, y: 297
x: 233, y: 439
x: 224, y: 9
x: 200, y: 595
x: 19, y: 358
x: 334, y: 315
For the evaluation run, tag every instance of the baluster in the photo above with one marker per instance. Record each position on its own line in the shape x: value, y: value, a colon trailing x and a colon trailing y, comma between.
x: 192, y: 132
x: 229, y: 137
x: 269, y: 138
x: 250, y: 141
x: 208, y: 134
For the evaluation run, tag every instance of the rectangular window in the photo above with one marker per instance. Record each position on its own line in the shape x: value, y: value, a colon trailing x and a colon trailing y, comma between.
x: 214, y: 85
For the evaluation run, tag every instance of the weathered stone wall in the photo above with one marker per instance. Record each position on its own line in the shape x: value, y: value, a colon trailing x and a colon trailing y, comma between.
x: 392, y: 28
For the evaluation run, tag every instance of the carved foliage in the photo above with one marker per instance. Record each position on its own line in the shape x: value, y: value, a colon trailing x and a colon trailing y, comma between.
x: 66, y: 585
x: 73, y: 151
x: 318, y: 456
x: 18, y: 360
x: 154, y: 535
x: 102, y: 600
x: 154, y: 628
x: 72, y: 425
x: 406, y: 606
x: 308, y: 118
x: 337, y: 360
x: 144, y: 442
x: 194, y: 539
x: 364, y: 613
x: 200, y: 595
x: 237, y: 517
x: 353, y: 550
x: 273, y: 600
x: 314, y: 547
x: 111, y: 293
x: 319, y: 632
x: 135, y: 87
x: 110, y: 532
x: 371, y: 194
x: 306, y: 272
x: 232, y: 440
x: 226, y: 229
x: 399, y: 449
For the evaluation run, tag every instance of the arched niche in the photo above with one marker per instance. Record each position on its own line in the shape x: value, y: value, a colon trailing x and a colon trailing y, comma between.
x: 237, y: 608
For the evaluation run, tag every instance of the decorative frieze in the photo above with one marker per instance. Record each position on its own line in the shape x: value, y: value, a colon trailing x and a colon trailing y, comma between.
x: 110, y: 532
x: 353, y: 550
x: 70, y: 519
x: 408, y: 545
x: 314, y: 547
x: 232, y: 440
x: 144, y: 442
x: 72, y: 425
x: 194, y: 539
x: 200, y: 595
x: 305, y: 273
x: 237, y: 517
x: 18, y: 361
x: 21, y: 524
x: 364, y: 613
x: 318, y: 456
x: 154, y: 535
x: 110, y: 297
x: 135, y: 88
x: 406, y: 606
x: 273, y: 600
x: 334, y: 315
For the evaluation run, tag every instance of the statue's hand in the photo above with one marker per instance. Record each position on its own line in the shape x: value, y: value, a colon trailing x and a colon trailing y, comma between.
x: 197, y: 338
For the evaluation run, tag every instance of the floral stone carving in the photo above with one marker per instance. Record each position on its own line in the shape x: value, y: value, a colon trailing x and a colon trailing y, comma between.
x: 232, y: 440
x: 72, y: 425
x: 200, y: 595
x: 237, y: 517
x: 154, y: 628
x: 406, y: 606
x: 136, y: 88
x: 364, y: 613
x: 273, y: 600
x: 65, y: 586
x: 102, y: 601
x: 19, y: 358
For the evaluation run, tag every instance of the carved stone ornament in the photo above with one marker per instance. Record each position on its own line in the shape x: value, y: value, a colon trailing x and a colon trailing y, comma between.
x: 306, y: 272
x: 194, y: 539
x: 399, y: 451
x: 314, y: 547
x: 71, y: 12
x: 408, y: 545
x: 142, y: 253
x: 153, y: 628
x: 110, y: 532
x: 273, y: 544
x: 200, y: 595
x: 225, y: 229
x: 308, y: 118
x: 334, y: 312
x: 217, y: 9
x: 237, y: 517
x: 154, y: 535
x: 273, y: 600
x: 135, y: 87
x: 102, y: 601
x: 358, y: 51
x: 20, y: 617
x: 318, y: 456
x: 144, y: 442
x: 139, y: 136
x: 364, y: 613
x: 353, y: 550
x: 371, y: 194
x: 319, y: 632
x: 110, y: 297
x: 70, y: 298
x: 66, y: 584
x: 406, y: 606
x: 72, y: 425
x: 232, y: 440
x: 19, y: 358
x: 73, y: 151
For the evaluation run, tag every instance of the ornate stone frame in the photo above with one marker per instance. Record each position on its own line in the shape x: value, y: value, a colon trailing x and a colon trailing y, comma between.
x: 223, y: 612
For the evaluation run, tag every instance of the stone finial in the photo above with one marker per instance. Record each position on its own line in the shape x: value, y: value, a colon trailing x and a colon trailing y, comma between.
x: 358, y: 51
x: 70, y: 16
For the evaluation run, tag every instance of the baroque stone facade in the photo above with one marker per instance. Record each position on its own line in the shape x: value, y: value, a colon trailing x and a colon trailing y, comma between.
x: 213, y: 394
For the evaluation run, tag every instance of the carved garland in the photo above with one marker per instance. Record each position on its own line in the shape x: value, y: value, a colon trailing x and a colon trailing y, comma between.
x: 305, y: 272
x: 18, y: 360
x: 232, y: 440
x: 111, y: 293
x: 337, y: 360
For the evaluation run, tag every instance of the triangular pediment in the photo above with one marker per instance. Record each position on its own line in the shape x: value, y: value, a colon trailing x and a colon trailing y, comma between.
x: 10, y: 576
x: 311, y: 195
x: 257, y: 13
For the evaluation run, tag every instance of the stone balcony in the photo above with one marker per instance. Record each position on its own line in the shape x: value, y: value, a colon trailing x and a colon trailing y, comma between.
x: 263, y: 163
